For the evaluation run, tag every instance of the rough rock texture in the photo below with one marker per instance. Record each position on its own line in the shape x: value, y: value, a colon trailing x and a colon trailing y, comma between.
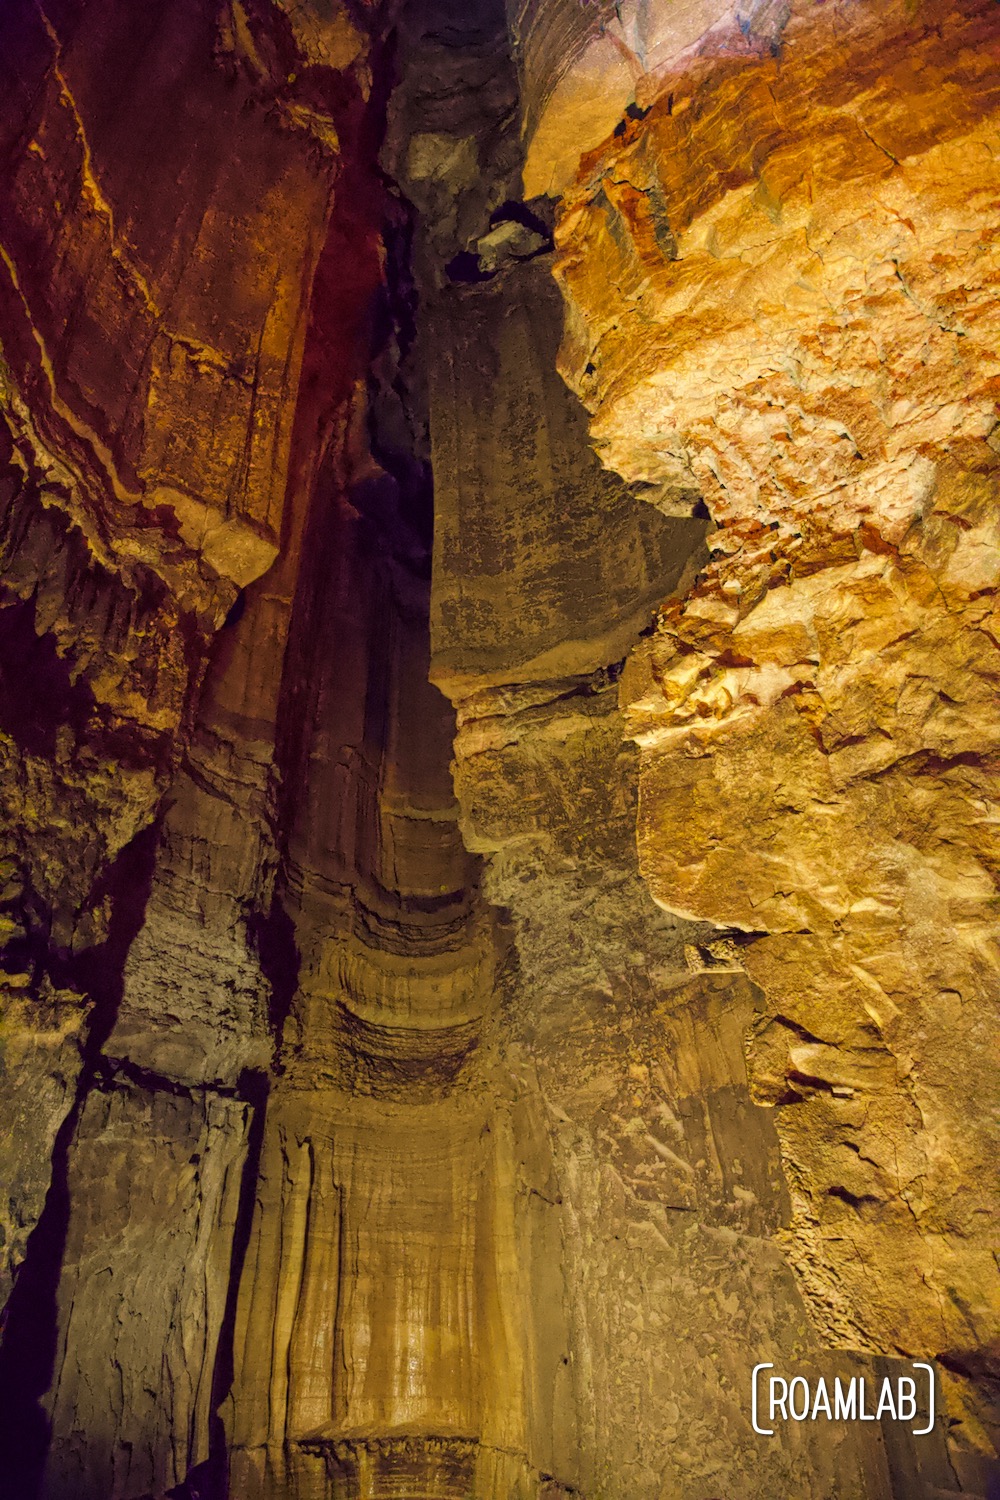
x: 666, y: 1181
x: 40, y: 1064
x: 665, y: 1186
x: 368, y: 1128
x: 780, y: 276
x: 147, y: 386
x: 143, y: 1288
x: 174, y: 189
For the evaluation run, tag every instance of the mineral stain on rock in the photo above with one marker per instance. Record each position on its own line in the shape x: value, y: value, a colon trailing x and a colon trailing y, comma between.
x: 498, y: 679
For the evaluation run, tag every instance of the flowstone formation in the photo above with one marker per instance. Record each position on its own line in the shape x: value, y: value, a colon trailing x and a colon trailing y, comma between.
x: 497, y: 923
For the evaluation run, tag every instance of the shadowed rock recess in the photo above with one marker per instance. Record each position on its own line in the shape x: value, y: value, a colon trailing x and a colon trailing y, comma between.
x: 499, y: 664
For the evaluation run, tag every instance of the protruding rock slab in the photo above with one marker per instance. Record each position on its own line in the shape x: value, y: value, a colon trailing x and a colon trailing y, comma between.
x: 153, y: 1188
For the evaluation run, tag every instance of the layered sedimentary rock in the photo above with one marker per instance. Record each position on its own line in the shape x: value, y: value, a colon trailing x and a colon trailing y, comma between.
x: 148, y: 384
x: 175, y: 188
x: 625, y: 1023
x: 780, y: 279
x: 411, y: 1087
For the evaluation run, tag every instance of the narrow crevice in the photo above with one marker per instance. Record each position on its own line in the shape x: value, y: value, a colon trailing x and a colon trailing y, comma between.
x: 28, y: 1347
x: 210, y: 1481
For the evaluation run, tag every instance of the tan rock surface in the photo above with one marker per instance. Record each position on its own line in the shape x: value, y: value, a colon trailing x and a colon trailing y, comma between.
x: 40, y: 1066
x: 143, y: 1288
x: 781, y: 283
x: 627, y: 1025
x: 408, y: 1086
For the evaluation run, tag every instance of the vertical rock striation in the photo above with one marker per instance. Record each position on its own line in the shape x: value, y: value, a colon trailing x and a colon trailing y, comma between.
x: 496, y: 937
x: 174, y: 188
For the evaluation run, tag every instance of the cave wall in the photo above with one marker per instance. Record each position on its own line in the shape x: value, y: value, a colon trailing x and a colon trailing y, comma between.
x: 495, y: 705
x: 149, y: 372
x: 175, y: 364
x: 625, y: 1023
x: 779, y: 275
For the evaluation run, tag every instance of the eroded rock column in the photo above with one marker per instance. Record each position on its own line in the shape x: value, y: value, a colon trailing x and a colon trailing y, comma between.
x: 400, y: 1309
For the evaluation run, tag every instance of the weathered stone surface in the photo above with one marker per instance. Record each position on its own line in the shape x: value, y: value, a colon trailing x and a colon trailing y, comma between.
x: 147, y: 394
x: 873, y: 875
x: 405, y: 1313
x: 623, y: 1025
x: 780, y: 284
x: 96, y: 290
x: 382, y: 1134
x: 143, y: 1289
x: 39, y: 1067
x: 526, y: 580
x: 167, y: 216
x: 585, y: 67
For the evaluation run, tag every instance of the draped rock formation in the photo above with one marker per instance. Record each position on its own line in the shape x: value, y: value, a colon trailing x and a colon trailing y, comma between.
x: 496, y: 693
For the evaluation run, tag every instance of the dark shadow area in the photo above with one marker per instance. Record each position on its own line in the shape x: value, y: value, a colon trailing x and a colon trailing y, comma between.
x: 28, y: 1348
x: 30, y: 1329
x: 37, y: 693
x: 273, y: 936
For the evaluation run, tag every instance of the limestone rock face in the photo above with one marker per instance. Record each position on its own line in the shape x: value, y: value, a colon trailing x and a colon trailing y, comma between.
x: 585, y: 67
x: 497, y: 889
x: 626, y: 1023
x: 164, y: 1254
x: 147, y: 396
x: 780, y: 285
x: 167, y: 200
x: 120, y: 339
x: 40, y: 1065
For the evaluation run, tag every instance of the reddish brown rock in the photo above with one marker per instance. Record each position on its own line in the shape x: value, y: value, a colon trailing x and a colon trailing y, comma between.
x: 167, y: 204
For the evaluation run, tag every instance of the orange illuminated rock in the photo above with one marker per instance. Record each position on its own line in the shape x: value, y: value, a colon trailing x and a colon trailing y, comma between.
x: 781, y: 291
x: 368, y: 1128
